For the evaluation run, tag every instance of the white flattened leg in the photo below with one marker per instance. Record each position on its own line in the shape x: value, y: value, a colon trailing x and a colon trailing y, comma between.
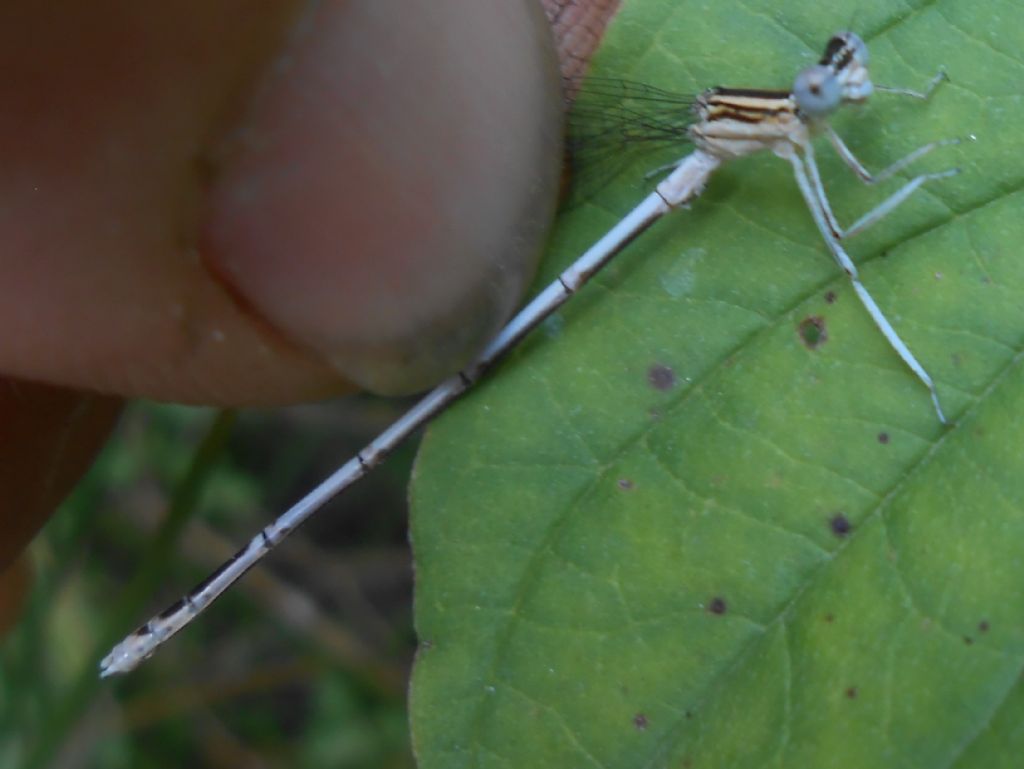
x: 820, y: 213
x: 898, y: 344
x: 927, y: 92
x: 894, y: 200
x: 890, y: 203
x: 866, y: 176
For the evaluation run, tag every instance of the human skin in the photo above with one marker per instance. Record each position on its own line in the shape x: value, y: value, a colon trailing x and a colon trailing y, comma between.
x: 227, y: 204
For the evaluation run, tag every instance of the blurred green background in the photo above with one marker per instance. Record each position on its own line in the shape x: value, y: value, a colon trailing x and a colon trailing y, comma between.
x: 303, y: 665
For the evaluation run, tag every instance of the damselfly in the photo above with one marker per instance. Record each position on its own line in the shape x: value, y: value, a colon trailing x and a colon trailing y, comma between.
x: 726, y: 123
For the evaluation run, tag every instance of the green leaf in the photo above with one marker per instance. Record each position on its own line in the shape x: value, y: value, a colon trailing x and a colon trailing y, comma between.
x: 667, y: 532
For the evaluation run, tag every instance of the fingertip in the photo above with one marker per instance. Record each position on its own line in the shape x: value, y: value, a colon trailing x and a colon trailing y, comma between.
x: 49, y: 439
x: 384, y: 200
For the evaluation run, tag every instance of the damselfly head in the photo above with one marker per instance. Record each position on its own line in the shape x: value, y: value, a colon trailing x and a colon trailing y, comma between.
x: 841, y: 77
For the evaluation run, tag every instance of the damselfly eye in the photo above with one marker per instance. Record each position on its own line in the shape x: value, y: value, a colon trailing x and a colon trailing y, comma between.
x: 817, y: 91
x: 858, y: 48
x: 835, y: 44
x: 844, y: 49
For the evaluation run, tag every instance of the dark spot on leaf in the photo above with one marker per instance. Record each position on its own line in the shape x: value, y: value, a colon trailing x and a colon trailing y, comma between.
x: 851, y: 693
x: 625, y: 484
x: 983, y: 626
x: 968, y: 640
x: 640, y: 721
x: 830, y: 296
x: 812, y: 332
x: 661, y: 377
x: 830, y: 617
x: 687, y: 763
x: 883, y: 438
x: 717, y: 605
x: 688, y: 714
x: 840, y: 525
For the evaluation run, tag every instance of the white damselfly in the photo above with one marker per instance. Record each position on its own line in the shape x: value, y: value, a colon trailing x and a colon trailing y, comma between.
x: 726, y: 123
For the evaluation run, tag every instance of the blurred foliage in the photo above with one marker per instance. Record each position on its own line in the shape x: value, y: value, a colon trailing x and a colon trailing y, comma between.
x: 302, y: 665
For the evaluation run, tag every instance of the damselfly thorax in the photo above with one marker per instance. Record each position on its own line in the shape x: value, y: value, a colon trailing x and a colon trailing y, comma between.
x: 733, y: 122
